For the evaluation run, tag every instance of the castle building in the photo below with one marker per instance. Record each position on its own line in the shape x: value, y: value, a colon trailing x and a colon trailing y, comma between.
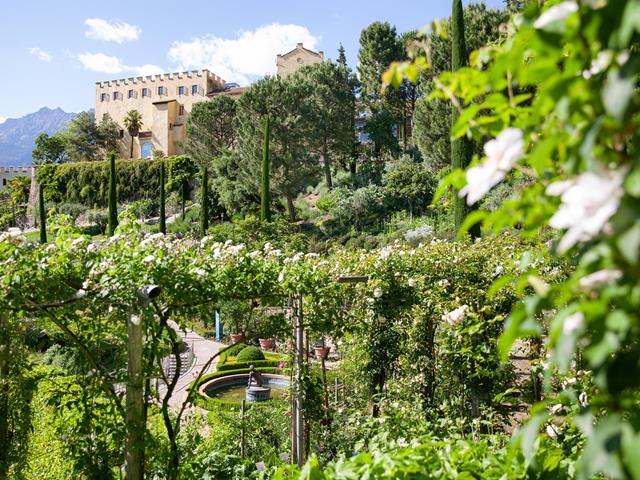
x: 165, y: 100
x: 288, y: 63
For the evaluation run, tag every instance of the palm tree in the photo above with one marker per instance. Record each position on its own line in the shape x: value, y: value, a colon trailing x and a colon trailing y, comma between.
x: 133, y: 123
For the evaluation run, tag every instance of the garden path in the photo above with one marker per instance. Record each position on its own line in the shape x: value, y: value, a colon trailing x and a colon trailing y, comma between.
x: 518, y: 410
x: 202, y: 350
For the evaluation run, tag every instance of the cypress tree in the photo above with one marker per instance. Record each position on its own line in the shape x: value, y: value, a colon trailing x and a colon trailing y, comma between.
x: 204, y: 193
x: 163, y: 223
x: 265, y: 214
x: 461, y: 148
x: 43, y: 215
x: 112, y: 196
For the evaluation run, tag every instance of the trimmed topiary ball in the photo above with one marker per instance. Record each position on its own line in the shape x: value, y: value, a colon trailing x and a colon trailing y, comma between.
x: 235, y: 349
x: 250, y: 354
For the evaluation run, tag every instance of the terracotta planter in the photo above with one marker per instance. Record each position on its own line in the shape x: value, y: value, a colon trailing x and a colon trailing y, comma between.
x: 237, y: 337
x: 322, y: 352
x: 266, y: 343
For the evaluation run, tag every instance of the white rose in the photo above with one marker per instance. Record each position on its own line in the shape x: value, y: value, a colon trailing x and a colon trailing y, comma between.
x: 557, y: 13
x: 588, y: 202
x: 572, y: 323
x: 503, y: 152
x: 455, y: 316
x: 599, y: 279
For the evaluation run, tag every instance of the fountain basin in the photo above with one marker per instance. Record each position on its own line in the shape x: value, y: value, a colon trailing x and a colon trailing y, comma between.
x: 233, y: 388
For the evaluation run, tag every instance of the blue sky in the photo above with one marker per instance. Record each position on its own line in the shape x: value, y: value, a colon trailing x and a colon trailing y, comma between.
x: 53, y: 52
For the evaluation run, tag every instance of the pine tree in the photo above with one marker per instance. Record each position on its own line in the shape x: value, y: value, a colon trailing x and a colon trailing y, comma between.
x: 461, y: 148
x: 204, y: 211
x: 163, y: 223
x: 112, y: 196
x: 43, y: 215
x: 342, y: 57
x: 265, y: 214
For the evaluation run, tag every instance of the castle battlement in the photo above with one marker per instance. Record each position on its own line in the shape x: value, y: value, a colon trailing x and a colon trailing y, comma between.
x: 14, y: 170
x: 159, y: 78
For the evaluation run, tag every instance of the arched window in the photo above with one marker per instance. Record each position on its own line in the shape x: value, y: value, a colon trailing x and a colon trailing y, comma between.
x: 146, y: 149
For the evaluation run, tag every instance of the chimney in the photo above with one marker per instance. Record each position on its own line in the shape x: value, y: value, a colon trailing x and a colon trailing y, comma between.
x: 299, y: 45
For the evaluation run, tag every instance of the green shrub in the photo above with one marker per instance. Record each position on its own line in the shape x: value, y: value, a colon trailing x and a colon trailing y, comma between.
x: 142, y: 209
x: 250, y: 354
x: 98, y: 217
x: 66, y: 359
x: 251, y: 231
x: 230, y: 351
x: 72, y: 209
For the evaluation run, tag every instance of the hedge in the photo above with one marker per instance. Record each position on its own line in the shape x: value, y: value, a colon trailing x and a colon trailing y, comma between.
x: 209, y: 403
x: 224, y: 367
x: 87, y: 183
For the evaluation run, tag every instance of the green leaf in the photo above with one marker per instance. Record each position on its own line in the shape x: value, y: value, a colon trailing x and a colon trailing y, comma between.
x: 632, y: 183
x: 598, y: 352
x: 601, y: 451
x: 616, y: 94
x: 539, y: 285
x: 629, y: 244
x: 527, y: 435
x: 476, y: 216
x: 519, y: 324
x: 630, y: 449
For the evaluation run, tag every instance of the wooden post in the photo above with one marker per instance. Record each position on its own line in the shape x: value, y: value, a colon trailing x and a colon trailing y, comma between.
x: 299, y: 416
x: 336, y: 389
x: 134, y: 444
x: 242, y: 404
x: 5, y: 356
x: 325, y: 389
x: 292, y: 399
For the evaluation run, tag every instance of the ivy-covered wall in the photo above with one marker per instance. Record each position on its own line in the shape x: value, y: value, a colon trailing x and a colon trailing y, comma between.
x: 87, y: 182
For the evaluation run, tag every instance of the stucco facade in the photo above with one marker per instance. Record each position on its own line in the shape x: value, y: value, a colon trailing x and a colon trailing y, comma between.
x: 288, y: 63
x: 7, y: 173
x: 164, y: 102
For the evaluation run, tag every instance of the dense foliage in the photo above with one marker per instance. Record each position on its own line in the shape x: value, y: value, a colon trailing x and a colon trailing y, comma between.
x: 559, y: 96
x: 87, y: 183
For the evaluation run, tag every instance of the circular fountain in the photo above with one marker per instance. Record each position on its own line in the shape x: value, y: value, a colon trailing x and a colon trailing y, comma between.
x: 235, y: 387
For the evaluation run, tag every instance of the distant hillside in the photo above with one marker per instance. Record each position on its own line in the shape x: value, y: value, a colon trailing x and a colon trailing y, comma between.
x: 17, y: 135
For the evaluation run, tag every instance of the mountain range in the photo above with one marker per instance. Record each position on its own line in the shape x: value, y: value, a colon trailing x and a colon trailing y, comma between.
x: 17, y: 135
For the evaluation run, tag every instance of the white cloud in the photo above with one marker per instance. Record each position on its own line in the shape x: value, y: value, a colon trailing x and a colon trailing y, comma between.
x: 99, y: 62
x: 251, y: 54
x: 119, y: 32
x: 147, y: 69
x: 41, y: 54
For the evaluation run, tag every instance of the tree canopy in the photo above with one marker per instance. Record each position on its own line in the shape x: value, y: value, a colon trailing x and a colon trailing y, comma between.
x: 210, y: 129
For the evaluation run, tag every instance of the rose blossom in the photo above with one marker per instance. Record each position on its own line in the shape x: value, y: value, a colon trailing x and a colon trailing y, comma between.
x: 557, y: 13
x: 588, y: 202
x: 455, y: 316
x: 502, y: 153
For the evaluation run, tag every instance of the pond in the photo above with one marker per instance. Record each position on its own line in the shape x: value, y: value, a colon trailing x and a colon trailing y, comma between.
x: 236, y: 393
